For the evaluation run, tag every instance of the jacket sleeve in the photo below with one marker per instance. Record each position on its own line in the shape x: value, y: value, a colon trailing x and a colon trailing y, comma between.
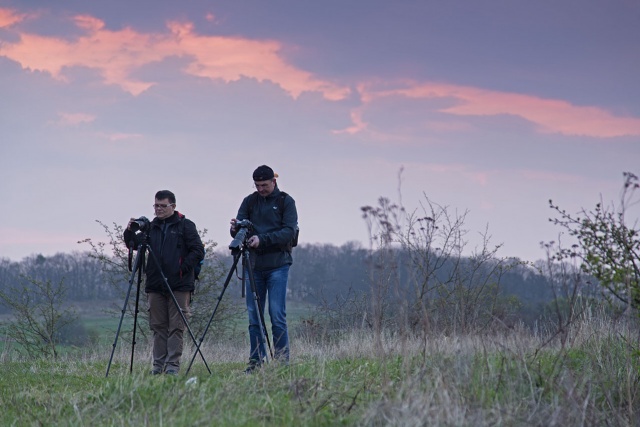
x: 194, y: 249
x: 281, y: 237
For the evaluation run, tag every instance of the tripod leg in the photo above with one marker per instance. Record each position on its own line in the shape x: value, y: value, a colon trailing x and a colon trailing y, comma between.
x: 206, y: 329
x: 135, y: 317
x: 180, y: 311
x: 124, y: 307
x: 264, y: 335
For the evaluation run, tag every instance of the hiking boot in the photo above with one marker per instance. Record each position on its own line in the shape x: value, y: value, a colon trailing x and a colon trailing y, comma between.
x: 171, y: 372
x: 253, y: 366
x: 156, y: 371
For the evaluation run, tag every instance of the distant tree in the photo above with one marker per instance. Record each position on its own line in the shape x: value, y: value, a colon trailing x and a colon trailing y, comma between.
x: 322, y: 272
x: 38, y: 316
x: 608, y: 244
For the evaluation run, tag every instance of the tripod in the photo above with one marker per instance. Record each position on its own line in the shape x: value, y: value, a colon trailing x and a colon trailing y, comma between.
x: 138, y: 266
x: 240, y: 250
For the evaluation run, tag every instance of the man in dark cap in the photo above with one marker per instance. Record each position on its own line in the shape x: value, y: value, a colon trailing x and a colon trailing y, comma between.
x: 275, y: 221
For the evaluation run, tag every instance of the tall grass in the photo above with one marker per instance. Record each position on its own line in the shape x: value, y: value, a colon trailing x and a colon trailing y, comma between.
x: 517, y: 377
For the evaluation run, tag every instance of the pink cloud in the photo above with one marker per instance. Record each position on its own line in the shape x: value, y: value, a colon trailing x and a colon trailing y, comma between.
x: 115, y: 54
x: 10, y: 17
x: 550, y: 115
x: 231, y: 58
x: 210, y: 17
x: 358, y: 124
x: 72, y: 119
x: 118, y: 54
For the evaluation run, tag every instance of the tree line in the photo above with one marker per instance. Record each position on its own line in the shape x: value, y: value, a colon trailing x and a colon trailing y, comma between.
x: 321, y: 275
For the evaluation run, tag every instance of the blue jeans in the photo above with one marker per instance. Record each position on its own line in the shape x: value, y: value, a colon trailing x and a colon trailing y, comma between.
x: 274, y: 284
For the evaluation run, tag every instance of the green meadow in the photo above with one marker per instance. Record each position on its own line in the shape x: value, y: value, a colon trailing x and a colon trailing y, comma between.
x: 519, y: 377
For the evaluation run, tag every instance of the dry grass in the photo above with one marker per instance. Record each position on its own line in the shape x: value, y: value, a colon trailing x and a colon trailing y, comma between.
x: 513, y: 378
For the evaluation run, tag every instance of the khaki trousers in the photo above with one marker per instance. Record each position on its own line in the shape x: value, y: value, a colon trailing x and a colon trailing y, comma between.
x: 168, y: 328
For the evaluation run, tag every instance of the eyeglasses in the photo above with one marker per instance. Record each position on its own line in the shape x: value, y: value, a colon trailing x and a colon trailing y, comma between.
x: 163, y: 206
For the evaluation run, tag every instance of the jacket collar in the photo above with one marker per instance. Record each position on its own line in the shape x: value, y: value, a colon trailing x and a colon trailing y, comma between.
x: 171, y: 220
x: 274, y: 193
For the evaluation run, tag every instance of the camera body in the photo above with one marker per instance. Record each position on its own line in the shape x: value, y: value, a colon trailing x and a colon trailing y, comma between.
x: 245, y: 227
x: 245, y: 223
x: 141, y: 224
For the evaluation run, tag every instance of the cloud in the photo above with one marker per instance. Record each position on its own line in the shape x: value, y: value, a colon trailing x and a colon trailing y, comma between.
x: 210, y: 17
x: 550, y: 115
x: 73, y: 119
x: 121, y: 56
x: 358, y: 124
x: 118, y: 55
x: 10, y: 17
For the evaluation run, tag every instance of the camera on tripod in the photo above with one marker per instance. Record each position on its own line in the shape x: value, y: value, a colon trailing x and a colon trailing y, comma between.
x: 245, y: 227
x: 141, y: 224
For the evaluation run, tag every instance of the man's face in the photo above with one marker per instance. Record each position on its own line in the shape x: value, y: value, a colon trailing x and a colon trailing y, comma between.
x: 265, y: 187
x: 164, y: 208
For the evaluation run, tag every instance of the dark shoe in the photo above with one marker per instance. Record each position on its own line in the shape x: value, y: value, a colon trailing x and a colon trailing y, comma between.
x: 171, y: 372
x: 156, y: 371
x: 253, y: 366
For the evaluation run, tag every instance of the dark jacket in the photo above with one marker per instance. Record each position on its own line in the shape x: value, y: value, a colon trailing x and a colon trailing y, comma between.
x: 274, y: 229
x: 178, y: 248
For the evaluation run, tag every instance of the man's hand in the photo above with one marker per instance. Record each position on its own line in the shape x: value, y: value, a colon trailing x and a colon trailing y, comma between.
x: 254, y: 242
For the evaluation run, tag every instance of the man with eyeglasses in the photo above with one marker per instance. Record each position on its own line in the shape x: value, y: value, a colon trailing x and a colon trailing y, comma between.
x: 176, y: 244
x: 275, y: 220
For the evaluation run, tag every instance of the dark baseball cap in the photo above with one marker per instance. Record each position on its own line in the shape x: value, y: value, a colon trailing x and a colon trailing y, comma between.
x: 263, y: 173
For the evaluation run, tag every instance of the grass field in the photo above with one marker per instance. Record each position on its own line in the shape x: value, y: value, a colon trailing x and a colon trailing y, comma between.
x: 102, y: 325
x: 105, y: 326
x: 513, y: 379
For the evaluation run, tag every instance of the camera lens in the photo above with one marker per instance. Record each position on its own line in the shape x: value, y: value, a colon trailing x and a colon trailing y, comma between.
x: 139, y: 224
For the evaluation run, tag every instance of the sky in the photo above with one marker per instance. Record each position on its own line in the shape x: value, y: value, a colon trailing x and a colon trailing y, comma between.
x: 489, y: 108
